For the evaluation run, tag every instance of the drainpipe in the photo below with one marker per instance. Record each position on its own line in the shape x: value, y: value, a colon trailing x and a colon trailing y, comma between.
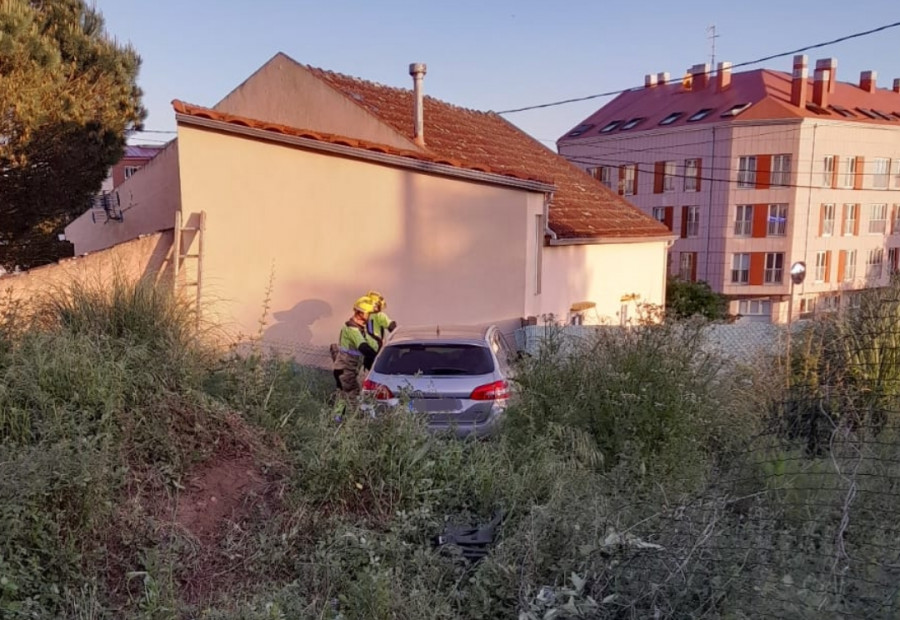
x: 709, y: 210
x: 417, y: 71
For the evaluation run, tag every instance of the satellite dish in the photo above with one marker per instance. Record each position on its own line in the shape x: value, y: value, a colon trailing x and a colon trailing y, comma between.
x: 798, y: 272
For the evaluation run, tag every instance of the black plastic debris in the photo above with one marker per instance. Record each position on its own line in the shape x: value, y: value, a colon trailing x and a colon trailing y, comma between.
x: 474, y: 541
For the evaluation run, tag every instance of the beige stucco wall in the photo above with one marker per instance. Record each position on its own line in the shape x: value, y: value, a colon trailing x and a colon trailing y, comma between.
x: 603, y: 274
x: 284, y: 92
x: 149, y: 199
x: 142, y: 257
x: 327, y: 229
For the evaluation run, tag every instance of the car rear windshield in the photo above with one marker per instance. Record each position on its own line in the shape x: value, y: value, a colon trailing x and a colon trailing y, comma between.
x: 434, y: 359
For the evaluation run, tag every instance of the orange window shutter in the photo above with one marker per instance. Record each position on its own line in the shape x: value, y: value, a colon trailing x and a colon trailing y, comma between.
x: 668, y: 217
x: 684, y: 222
x: 634, y: 187
x: 763, y: 171
x: 858, y: 178
x: 693, y: 267
x: 760, y: 220
x: 659, y: 170
x: 699, y: 173
x: 842, y: 265
x: 834, y: 172
x: 621, y: 180
x: 843, y: 219
x: 821, y: 219
x: 757, y: 267
x: 856, y: 221
x: 828, y: 266
x: 893, y: 217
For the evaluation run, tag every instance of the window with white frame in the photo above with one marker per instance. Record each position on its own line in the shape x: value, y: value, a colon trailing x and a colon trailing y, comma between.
x: 743, y: 221
x: 692, y: 229
x: 669, y: 176
x: 827, y: 220
x: 828, y: 171
x: 848, y: 172
x: 895, y: 172
x: 821, y: 266
x: 850, y: 266
x: 895, y: 224
x: 877, y: 219
x: 851, y: 214
x: 627, y: 180
x: 130, y: 170
x: 774, y: 267
x: 747, y: 171
x: 740, y: 269
x: 777, y: 222
x: 874, y: 262
x: 807, y: 306
x: 755, y: 307
x: 881, y: 172
x: 830, y: 303
x: 687, y: 265
x: 781, y: 170
x: 604, y: 174
x: 691, y: 175
x: 659, y: 214
x: 893, y: 260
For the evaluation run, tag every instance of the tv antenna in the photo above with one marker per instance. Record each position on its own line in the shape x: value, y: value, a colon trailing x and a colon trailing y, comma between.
x: 712, y: 36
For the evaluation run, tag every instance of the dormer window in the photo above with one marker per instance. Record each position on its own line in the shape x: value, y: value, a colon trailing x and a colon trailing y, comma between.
x: 842, y: 110
x: 736, y: 109
x: 633, y: 122
x: 610, y: 126
x: 868, y: 113
x: 671, y: 118
x: 700, y: 115
x: 881, y: 114
x: 580, y: 130
x: 814, y: 107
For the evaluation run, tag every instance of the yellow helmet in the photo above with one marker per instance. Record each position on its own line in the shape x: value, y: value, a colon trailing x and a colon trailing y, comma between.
x: 377, y: 299
x: 364, y: 304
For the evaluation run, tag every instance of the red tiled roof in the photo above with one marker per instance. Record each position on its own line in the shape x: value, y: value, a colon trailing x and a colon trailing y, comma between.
x: 768, y: 92
x: 581, y: 208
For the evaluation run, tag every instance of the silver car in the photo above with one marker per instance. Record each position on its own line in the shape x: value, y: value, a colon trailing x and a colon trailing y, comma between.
x: 458, y: 377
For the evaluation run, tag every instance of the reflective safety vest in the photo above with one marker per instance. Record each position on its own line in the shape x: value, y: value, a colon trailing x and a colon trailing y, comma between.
x: 352, y: 337
x: 377, y: 325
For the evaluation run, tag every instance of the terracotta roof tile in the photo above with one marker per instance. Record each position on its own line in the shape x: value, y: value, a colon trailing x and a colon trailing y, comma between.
x: 581, y: 207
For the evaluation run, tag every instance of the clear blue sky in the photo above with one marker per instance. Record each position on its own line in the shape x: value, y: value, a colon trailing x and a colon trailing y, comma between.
x: 485, y: 54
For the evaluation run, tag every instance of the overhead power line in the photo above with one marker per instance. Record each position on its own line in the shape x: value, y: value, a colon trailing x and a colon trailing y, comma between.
x: 734, y: 66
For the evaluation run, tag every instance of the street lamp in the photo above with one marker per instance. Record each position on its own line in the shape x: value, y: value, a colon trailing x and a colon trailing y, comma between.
x: 798, y: 274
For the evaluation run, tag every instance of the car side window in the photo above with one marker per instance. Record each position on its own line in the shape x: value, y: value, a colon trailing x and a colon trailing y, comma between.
x: 501, y: 351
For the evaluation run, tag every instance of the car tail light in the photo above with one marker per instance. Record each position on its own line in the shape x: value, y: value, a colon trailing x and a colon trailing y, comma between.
x: 498, y: 390
x: 381, y: 392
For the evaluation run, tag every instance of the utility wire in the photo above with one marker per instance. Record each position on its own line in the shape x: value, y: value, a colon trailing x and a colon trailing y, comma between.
x: 740, y: 64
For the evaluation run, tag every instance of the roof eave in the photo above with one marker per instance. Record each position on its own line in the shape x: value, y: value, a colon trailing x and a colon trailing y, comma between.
x: 612, y: 240
x: 366, y: 155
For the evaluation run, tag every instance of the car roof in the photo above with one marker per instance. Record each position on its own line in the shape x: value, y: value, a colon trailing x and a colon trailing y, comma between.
x: 441, y: 333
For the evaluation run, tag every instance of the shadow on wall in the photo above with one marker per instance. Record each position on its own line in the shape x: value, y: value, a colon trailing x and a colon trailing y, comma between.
x: 295, y: 325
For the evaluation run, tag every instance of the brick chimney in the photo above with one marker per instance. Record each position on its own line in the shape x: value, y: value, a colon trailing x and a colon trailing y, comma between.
x: 830, y: 65
x: 820, y: 87
x: 662, y: 78
x: 723, y: 76
x: 867, y: 81
x: 896, y: 85
x: 798, y: 81
x: 650, y: 80
x: 417, y: 71
x: 699, y: 77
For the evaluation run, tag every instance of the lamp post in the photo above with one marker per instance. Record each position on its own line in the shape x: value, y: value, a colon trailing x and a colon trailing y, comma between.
x: 798, y: 274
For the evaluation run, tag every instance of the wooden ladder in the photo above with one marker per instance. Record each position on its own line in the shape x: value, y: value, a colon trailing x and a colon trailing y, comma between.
x: 181, y: 252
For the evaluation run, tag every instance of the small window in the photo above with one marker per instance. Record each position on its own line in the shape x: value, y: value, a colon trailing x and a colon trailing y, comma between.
x: 700, y: 115
x: 671, y: 118
x: 610, y: 126
x: 580, y: 130
x: 866, y: 112
x: 129, y: 171
x: 881, y: 114
x: 736, y: 109
x: 817, y: 109
x: 896, y: 115
x: 842, y: 110
x: 633, y: 123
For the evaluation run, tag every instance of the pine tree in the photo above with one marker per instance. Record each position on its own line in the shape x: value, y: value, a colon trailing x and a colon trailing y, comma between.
x: 68, y: 97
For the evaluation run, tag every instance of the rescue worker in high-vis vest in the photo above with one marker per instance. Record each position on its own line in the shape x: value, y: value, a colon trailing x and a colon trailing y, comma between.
x: 355, y: 350
x: 379, y: 324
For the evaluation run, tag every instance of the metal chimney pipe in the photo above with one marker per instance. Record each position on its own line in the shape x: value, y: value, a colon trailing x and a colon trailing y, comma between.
x: 417, y: 71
